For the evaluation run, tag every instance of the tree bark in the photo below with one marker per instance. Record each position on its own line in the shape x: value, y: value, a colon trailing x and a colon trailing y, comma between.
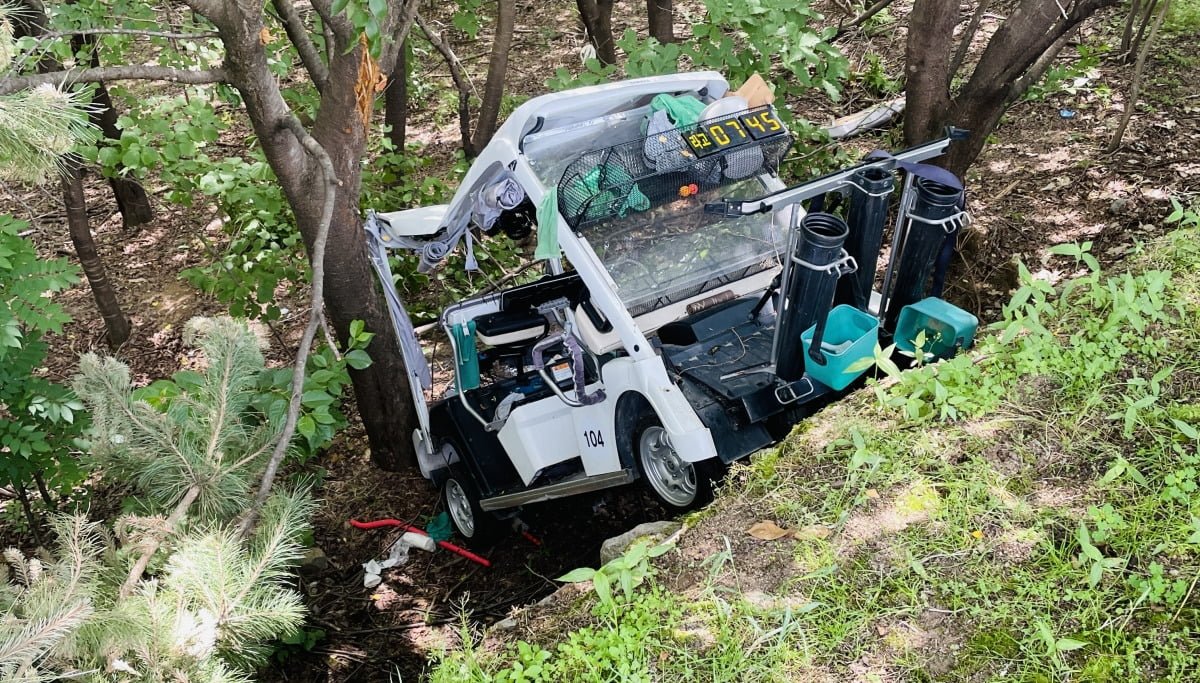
x: 493, y: 90
x: 381, y: 390
x: 660, y: 17
x: 1130, y: 21
x: 597, y: 20
x: 33, y: 22
x: 927, y: 64
x: 1147, y: 13
x: 132, y: 201
x: 964, y: 43
x: 116, y: 324
x: 1032, y: 34
x: 131, y: 197
x: 395, y: 99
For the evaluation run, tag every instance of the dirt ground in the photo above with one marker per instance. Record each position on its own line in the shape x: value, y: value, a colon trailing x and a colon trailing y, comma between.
x: 1043, y: 181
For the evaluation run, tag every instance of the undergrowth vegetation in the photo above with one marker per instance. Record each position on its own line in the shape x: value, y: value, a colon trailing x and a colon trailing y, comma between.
x: 1025, y: 512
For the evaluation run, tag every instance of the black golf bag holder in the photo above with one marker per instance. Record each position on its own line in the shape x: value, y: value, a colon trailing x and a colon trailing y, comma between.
x: 830, y: 263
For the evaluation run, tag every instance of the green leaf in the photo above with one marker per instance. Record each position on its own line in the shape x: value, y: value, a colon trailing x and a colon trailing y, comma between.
x: 1068, y: 644
x: 577, y: 575
x: 356, y: 328
x: 603, y: 586
x: 1186, y: 429
x: 358, y: 359
x: 316, y: 397
x: 660, y: 549
x: 307, y: 427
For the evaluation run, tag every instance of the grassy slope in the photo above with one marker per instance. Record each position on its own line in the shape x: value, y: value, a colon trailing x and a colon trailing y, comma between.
x: 1047, y: 533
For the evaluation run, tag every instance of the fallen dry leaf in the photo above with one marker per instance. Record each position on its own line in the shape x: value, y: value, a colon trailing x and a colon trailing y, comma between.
x: 812, y: 532
x: 264, y: 36
x: 872, y: 494
x: 767, y: 530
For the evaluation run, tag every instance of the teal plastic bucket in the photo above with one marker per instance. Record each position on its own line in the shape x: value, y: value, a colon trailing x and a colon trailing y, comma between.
x: 947, y: 328
x: 850, y: 336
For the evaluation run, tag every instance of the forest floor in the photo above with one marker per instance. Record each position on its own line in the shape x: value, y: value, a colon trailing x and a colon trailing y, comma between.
x: 1043, y: 181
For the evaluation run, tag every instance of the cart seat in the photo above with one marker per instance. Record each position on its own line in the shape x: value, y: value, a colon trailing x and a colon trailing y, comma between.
x: 509, y: 328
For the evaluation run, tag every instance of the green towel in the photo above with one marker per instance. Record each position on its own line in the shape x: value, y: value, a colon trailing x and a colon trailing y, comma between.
x: 683, y: 110
x: 606, y: 199
x: 547, y: 220
x: 439, y: 527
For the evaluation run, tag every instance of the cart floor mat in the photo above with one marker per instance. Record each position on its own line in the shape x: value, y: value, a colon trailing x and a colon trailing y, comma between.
x: 712, y: 361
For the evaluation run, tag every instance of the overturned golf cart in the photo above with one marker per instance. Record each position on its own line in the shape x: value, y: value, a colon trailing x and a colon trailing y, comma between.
x: 692, y: 309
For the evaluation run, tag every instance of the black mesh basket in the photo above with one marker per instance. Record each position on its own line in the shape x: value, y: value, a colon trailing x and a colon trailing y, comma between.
x: 663, y: 166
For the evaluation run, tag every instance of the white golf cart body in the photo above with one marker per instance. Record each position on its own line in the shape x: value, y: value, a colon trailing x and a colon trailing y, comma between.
x: 609, y: 292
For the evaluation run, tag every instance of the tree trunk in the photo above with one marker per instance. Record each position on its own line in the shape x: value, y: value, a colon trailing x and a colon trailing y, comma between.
x: 660, y: 15
x: 1147, y: 13
x: 1021, y: 47
x: 381, y: 390
x: 597, y: 20
x: 927, y: 65
x: 459, y: 76
x: 395, y: 112
x: 1130, y: 21
x: 116, y: 324
x: 131, y: 197
x: 493, y: 90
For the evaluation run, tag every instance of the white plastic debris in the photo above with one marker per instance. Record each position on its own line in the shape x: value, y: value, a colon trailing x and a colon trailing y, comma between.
x: 872, y: 117
x: 397, y: 555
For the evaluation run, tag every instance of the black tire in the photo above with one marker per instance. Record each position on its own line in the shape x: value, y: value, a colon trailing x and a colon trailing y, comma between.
x: 678, y: 485
x: 461, y: 497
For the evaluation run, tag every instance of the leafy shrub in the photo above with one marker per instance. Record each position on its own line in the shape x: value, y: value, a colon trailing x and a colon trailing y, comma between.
x: 40, y: 420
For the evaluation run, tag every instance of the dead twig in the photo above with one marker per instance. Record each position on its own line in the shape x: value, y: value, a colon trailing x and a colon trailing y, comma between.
x: 317, y: 258
x: 1135, y: 86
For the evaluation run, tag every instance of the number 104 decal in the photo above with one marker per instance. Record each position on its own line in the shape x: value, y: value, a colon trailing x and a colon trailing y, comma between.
x: 594, y: 438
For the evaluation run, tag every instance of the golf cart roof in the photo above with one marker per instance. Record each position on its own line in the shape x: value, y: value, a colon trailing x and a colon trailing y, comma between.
x: 544, y: 135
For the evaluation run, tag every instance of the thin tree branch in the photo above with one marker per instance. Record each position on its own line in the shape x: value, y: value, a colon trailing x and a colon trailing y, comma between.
x: 1039, y: 68
x: 341, y: 28
x: 460, y: 82
x: 1135, y: 85
x: 209, y: 9
x: 139, y: 567
x: 399, y: 32
x: 863, y: 18
x: 317, y: 258
x: 131, y: 32
x: 60, y: 79
x: 965, y: 42
x: 297, y: 32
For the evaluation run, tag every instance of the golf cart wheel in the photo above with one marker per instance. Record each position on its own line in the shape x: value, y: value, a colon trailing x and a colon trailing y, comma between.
x: 462, y: 504
x: 677, y: 484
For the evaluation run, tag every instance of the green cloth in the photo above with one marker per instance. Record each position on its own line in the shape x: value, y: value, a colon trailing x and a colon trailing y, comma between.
x: 683, y: 110
x: 547, y: 220
x: 607, y: 199
x: 439, y: 527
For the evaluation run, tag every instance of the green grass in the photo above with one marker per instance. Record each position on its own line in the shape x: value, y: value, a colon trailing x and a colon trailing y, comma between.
x: 1029, y: 512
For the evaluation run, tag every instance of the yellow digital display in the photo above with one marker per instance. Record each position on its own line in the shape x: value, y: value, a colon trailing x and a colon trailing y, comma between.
x: 711, y: 137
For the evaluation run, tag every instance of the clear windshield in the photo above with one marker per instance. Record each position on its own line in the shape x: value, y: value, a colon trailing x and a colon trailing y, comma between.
x: 675, y: 251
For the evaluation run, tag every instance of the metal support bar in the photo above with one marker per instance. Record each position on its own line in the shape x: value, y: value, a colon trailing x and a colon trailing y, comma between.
x: 831, y: 182
x: 561, y: 489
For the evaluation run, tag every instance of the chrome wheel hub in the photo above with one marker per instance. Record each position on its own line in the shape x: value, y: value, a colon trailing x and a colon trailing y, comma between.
x: 460, y: 508
x: 672, y: 478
